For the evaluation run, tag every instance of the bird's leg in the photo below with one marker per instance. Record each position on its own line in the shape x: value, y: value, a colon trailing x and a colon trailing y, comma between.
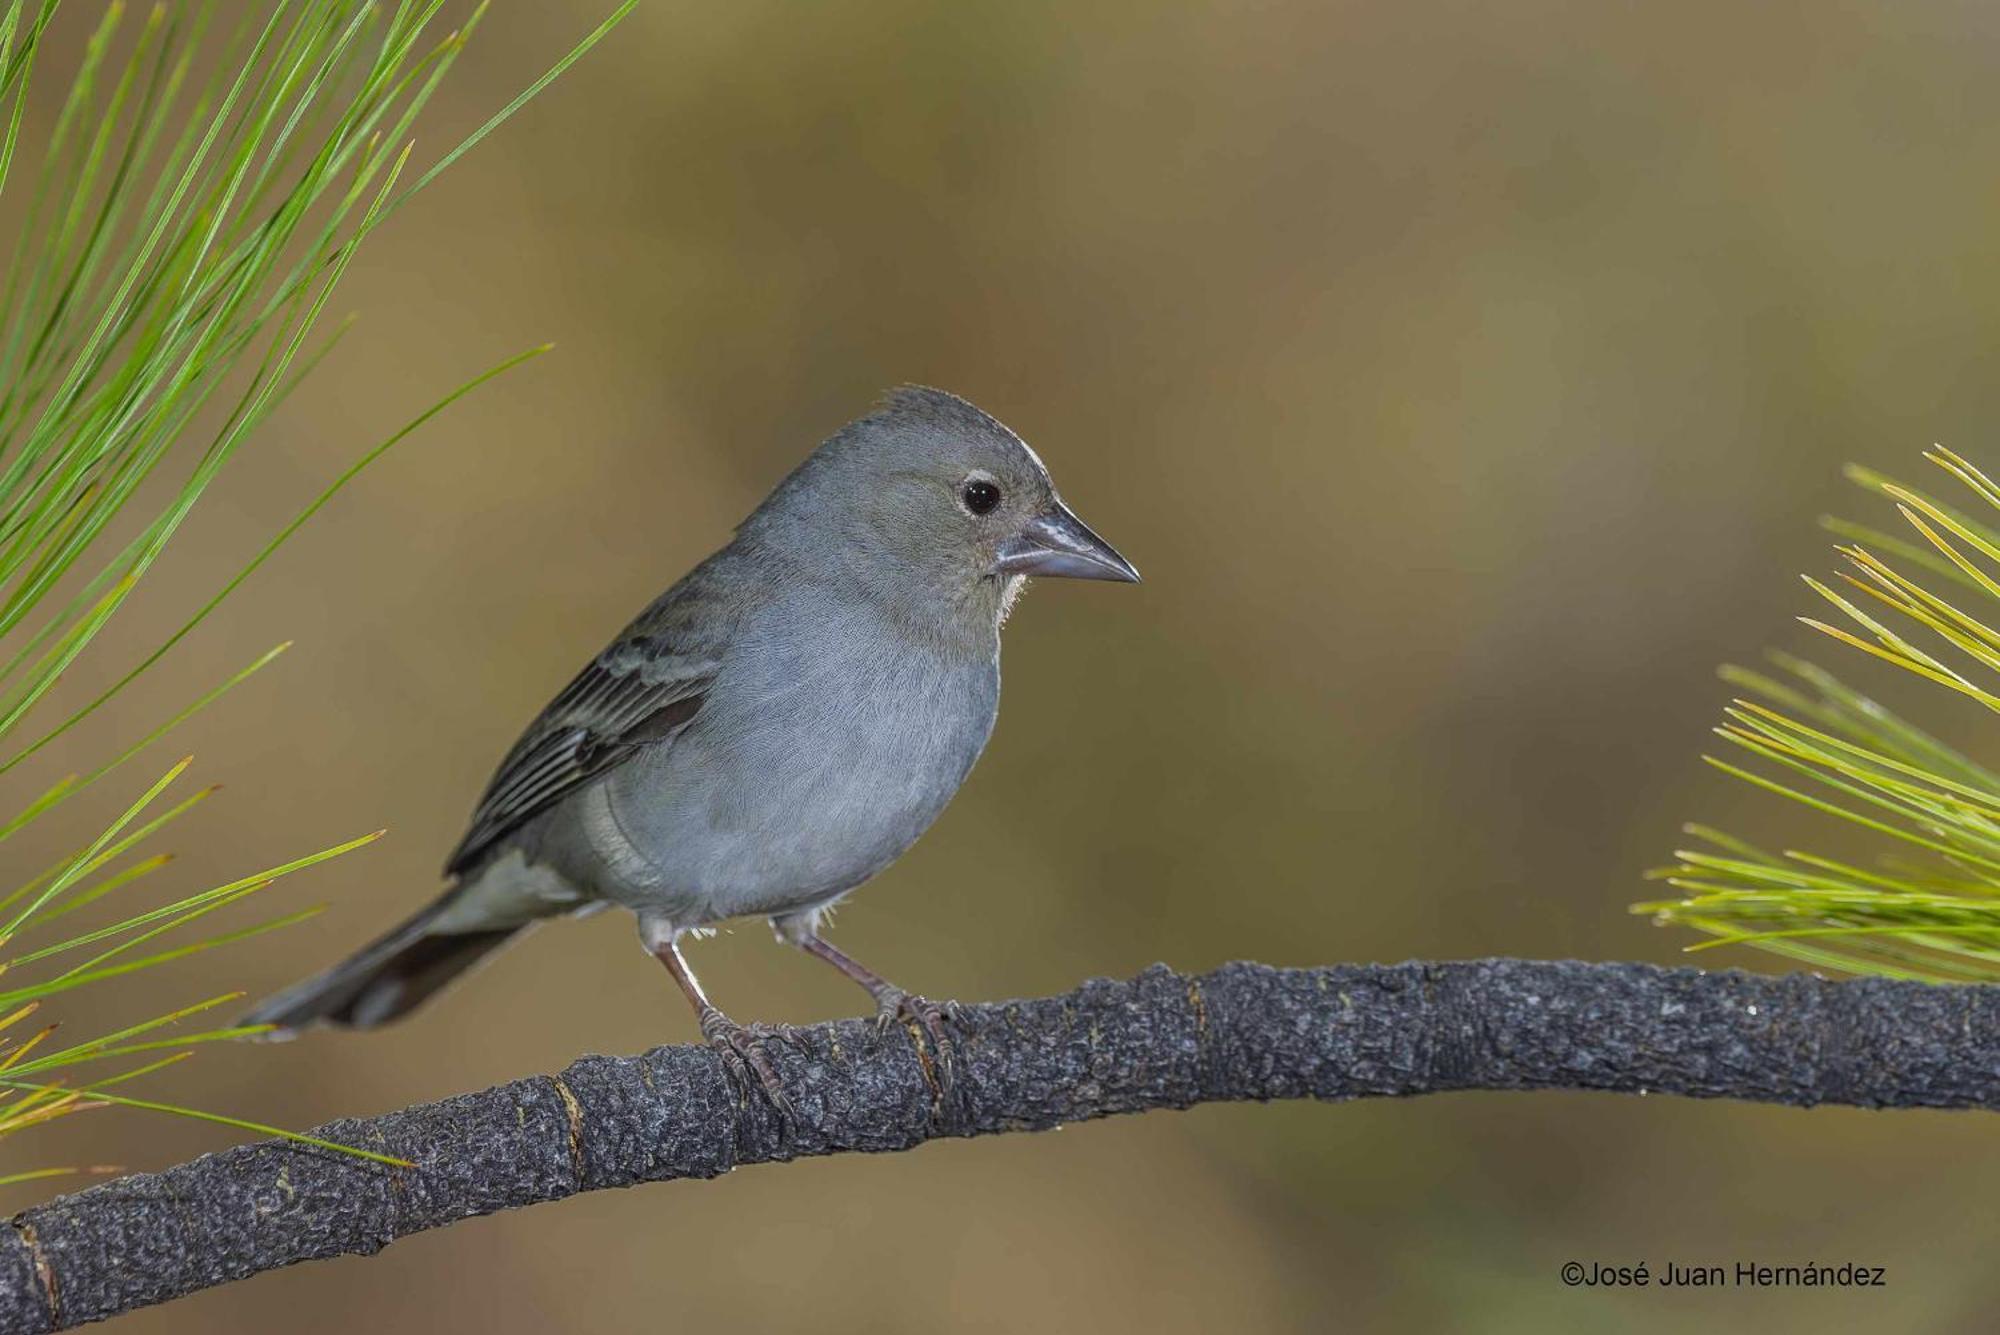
x: 892, y: 1003
x: 737, y: 1045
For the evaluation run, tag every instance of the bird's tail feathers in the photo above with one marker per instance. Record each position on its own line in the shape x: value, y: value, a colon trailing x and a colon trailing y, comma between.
x: 382, y: 981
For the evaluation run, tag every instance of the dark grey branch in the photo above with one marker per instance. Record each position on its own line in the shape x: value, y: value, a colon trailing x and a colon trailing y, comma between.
x: 1163, y: 1040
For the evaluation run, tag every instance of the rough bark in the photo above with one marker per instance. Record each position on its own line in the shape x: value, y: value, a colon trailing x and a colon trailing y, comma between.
x: 1162, y: 1040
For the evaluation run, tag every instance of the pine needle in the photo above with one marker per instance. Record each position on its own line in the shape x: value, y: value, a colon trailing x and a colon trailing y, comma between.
x: 1933, y: 914
x: 181, y: 241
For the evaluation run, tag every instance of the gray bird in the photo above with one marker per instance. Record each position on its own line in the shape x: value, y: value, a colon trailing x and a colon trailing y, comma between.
x: 773, y: 731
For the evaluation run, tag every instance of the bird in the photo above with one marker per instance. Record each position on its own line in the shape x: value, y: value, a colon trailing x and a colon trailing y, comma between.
x: 765, y: 737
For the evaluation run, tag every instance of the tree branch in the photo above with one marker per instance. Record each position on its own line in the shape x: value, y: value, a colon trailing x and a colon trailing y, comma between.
x: 1163, y: 1040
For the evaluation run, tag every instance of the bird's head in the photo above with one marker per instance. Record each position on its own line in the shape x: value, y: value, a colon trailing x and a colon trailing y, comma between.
x: 930, y: 500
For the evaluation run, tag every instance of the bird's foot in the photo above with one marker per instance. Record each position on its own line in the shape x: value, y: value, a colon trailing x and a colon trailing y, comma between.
x: 936, y: 1018
x: 742, y: 1055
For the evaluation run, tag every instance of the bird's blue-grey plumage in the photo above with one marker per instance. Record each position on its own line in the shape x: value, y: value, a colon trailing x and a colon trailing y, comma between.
x: 773, y: 730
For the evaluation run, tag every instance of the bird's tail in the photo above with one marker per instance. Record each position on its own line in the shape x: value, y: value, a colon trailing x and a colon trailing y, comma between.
x: 384, y: 980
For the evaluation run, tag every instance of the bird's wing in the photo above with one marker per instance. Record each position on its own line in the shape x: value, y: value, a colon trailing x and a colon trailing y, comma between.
x: 641, y: 691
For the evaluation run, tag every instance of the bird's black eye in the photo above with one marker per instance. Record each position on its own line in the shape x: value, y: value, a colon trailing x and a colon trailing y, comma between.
x: 980, y: 496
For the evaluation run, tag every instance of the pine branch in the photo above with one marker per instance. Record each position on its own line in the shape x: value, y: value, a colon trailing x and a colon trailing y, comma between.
x: 1163, y: 1040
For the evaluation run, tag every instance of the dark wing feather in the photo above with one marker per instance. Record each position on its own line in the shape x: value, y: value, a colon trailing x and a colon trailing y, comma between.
x: 640, y: 691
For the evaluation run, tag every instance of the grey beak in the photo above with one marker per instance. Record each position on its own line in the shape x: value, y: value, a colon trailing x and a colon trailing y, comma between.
x: 1057, y: 543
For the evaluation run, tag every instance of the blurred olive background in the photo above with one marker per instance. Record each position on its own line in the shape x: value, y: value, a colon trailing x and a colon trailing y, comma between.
x: 1465, y: 379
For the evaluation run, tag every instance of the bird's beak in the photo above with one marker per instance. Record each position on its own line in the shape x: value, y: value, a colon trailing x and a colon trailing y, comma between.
x: 1057, y: 543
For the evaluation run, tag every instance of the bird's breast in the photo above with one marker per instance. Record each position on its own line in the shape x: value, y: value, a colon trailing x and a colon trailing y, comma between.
x: 813, y: 763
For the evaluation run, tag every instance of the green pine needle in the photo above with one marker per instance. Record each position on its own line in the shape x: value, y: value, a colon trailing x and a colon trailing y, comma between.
x: 183, y: 237
x: 1932, y: 914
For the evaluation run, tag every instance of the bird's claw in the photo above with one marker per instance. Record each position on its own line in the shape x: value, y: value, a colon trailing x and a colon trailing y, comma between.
x: 935, y: 1018
x: 744, y: 1057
